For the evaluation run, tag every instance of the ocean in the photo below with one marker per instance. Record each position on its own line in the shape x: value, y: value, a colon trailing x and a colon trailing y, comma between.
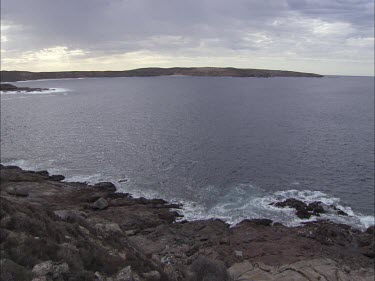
x: 224, y: 147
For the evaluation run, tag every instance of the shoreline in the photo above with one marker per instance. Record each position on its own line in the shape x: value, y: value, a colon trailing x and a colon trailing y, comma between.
x: 192, y: 211
x: 145, y: 240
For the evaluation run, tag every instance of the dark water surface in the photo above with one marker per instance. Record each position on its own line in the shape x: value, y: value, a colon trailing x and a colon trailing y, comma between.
x: 227, y: 147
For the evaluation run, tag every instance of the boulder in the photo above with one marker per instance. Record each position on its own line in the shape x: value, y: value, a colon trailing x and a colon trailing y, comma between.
x: 71, y: 215
x: 57, y: 271
x: 238, y: 254
x: 126, y: 274
x: 106, y: 229
x: 206, y: 269
x: 100, y: 204
x: 152, y: 275
x: 18, y: 191
x: 12, y: 271
x: 371, y: 230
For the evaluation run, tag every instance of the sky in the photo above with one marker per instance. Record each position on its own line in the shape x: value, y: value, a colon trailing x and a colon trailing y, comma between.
x: 322, y: 36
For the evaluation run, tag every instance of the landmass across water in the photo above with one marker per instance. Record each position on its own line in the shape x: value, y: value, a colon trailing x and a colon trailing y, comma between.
x: 12, y: 76
x: 5, y: 87
x: 76, y: 231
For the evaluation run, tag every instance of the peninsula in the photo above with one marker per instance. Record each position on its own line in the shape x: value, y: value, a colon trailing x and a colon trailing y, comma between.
x: 12, y: 76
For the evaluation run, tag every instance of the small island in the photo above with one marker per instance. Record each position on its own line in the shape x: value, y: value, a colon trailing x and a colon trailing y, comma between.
x: 11, y: 88
x: 11, y: 76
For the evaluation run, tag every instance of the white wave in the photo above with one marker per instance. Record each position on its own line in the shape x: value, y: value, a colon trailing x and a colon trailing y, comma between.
x: 136, y: 190
x: 23, y: 164
x: 46, y: 92
x: 90, y: 179
x: 367, y: 221
x: 249, y: 202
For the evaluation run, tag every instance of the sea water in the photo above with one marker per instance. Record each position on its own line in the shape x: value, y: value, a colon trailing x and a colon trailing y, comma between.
x: 224, y: 147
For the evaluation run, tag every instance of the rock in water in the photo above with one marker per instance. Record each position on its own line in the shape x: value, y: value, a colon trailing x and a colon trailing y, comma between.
x: 43, y: 173
x: 303, y: 214
x: 56, y: 178
x: 316, y: 207
x: 105, y: 185
x: 342, y: 213
x: 303, y: 211
x: 292, y: 203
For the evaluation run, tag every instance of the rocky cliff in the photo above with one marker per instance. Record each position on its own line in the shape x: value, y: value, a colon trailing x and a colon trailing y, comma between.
x: 55, y: 230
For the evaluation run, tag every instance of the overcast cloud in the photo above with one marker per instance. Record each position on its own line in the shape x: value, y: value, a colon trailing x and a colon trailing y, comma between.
x: 323, y: 36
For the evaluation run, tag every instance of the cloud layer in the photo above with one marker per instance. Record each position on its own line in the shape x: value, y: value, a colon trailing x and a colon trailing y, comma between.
x: 329, y: 37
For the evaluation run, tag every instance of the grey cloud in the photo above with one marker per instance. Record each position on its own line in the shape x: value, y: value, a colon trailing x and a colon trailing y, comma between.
x: 196, y: 27
x: 81, y: 23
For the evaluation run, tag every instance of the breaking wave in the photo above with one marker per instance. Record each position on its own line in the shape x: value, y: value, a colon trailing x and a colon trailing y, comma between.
x: 249, y: 202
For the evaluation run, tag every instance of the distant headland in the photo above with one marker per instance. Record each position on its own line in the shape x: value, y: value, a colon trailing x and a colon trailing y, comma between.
x: 12, y: 76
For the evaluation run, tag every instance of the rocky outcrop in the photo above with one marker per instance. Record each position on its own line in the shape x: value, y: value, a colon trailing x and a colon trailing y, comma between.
x: 11, y: 88
x: 305, y: 211
x: 54, y: 233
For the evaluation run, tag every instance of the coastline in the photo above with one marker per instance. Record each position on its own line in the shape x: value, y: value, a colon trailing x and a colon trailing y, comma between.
x: 12, y: 76
x: 79, y: 230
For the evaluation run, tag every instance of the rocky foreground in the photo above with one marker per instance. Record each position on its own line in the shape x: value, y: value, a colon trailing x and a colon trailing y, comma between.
x: 54, y: 230
x: 11, y: 76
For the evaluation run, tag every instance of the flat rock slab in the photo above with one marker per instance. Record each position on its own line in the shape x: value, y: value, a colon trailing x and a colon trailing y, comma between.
x: 309, y: 270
